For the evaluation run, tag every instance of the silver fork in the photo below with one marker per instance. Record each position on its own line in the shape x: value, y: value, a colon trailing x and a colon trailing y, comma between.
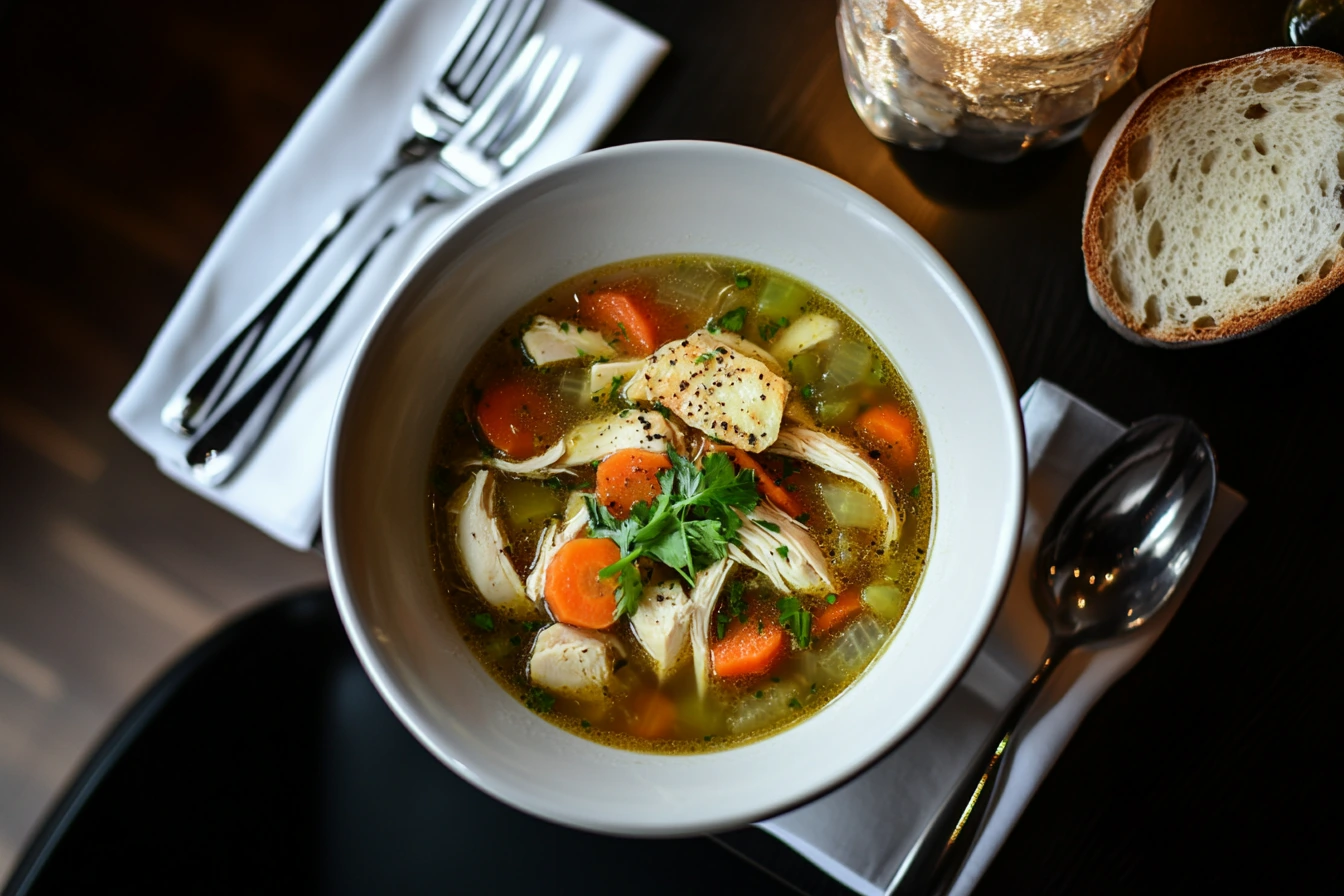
x: 474, y: 61
x: 508, y: 123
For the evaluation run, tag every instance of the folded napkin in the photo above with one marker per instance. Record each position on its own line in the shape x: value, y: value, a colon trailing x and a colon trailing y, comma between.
x: 348, y: 133
x: 861, y: 833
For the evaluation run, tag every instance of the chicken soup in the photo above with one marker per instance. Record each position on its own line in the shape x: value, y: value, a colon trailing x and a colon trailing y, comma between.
x: 679, y: 503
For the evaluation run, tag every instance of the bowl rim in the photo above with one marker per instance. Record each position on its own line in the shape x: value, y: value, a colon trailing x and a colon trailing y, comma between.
x: 1003, y: 561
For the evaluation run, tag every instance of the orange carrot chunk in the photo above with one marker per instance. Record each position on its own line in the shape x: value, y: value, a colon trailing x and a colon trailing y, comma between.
x: 515, y: 416
x: 628, y: 477
x: 627, y: 318
x: 782, y: 498
x: 574, y: 592
x: 653, y: 715
x: 847, y: 605
x: 748, y: 648
x: 888, y: 429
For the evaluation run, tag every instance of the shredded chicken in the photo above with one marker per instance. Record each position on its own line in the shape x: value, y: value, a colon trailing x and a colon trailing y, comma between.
x: 800, y: 566
x: 716, y: 388
x: 574, y: 662
x: 704, y: 596
x: 482, y: 549
x: 836, y: 457
x: 549, y: 342
x: 557, y: 535
x: 602, y: 374
x: 661, y: 624
x: 595, y: 440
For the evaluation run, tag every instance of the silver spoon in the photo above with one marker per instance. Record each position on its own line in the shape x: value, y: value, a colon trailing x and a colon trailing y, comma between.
x: 1111, y: 557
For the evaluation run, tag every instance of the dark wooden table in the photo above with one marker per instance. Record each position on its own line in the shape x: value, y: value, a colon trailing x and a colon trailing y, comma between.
x: 131, y: 129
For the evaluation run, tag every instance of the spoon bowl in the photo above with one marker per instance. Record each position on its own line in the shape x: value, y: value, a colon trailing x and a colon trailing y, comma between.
x: 1126, y: 531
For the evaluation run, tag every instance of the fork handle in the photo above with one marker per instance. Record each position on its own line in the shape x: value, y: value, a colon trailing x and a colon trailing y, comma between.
x: 230, y: 436
x: 202, y: 391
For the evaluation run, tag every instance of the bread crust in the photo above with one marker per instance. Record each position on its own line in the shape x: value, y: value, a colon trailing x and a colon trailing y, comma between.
x: 1109, y: 171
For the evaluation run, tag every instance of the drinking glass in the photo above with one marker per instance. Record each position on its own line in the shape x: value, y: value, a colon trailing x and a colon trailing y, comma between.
x: 986, y: 78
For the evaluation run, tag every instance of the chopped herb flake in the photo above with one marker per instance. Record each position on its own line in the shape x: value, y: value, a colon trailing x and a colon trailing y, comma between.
x: 663, y: 409
x: 832, y: 598
x: 737, y: 604
x: 760, y: 694
x: 742, y: 281
x: 797, y: 620
x: 538, y: 700
x: 516, y: 640
x: 767, y: 525
x: 585, y: 724
x: 914, y: 492
x: 564, y: 326
x: 483, y: 621
x: 803, y: 517
x: 734, y: 320
x: 721, y: 623
x: 532, y: 626
x: 783, y: 551
x: 808, y: 391
x: 793, y: 702
x: 705, y: 358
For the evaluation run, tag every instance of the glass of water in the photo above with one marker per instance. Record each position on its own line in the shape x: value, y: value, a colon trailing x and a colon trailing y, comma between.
x: 986, y: 78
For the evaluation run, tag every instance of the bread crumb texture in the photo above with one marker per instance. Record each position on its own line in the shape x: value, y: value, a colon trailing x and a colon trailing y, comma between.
x: 1222, y: 206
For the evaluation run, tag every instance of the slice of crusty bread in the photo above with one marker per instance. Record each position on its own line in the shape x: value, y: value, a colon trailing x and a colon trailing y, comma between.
x: 1214, y: 207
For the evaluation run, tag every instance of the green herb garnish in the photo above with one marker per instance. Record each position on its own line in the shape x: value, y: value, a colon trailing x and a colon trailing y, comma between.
x: 783, y: 551
x: 737, y: 604
x: 914, y: 492
x: 705, y: 358
x: 832, y: 598
x: 614, y: 394
x: 483, y: 621
x: 734, y: 321
x: 516, y: 640
x: 721, y: 622
x: 585, y: 724
x: 793, y: 702
x: 797, y: 620
x: 768, y: 330
x: 532, y: 626
x: 742, y: 281
x: 663, y: 409
x: 564, y: 326
x: 538, y: 700
x: 803, y: 517
x: 808, y: 391
x: 760, y: 694
x: 582, y: 353
x: 688, y: 527
x: 766, y: 525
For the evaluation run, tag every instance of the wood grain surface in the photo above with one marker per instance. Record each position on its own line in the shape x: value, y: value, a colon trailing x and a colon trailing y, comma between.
x: 131, y: 129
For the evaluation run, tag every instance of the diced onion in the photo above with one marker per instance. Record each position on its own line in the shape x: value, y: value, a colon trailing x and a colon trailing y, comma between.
x: 574, y: 386
x: 527, y: 503
x: 850, y: 363
x: 852, y: 507
x: 851, y: 650
x: 781, y: 298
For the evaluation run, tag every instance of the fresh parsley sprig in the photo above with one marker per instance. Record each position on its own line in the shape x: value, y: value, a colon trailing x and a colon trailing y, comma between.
x: 688, y: 527
x: 797, y: 620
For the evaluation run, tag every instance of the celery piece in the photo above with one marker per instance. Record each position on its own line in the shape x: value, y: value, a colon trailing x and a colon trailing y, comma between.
x: 852, y: 506
x: 781, y: 299
x: 834, y: 412
x: 886, y: 600
x: 805, y: 368
x: 527, y: 503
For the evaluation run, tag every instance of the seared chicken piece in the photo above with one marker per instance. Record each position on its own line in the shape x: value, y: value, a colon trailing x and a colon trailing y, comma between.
x: 704, y: 597
x: 549, y: 342
x: 574, y: 662
x: 595, y: 440
x: 789, y: 557
x: 717, y: 389
x: 836, y: 457
x: 662, y: 623
x: 482, y: 549
x: 806, y: 332
x: 557, y: 535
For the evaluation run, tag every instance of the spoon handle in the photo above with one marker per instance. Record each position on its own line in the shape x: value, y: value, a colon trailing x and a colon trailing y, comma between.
x: 938, y: 854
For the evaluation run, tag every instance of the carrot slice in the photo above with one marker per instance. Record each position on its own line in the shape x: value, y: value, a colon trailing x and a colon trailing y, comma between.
x: 654, y: 715
x: 889, y: 430
x: 627, y: 318
x: 748, y: 648
x: 574, y: 592
x: 847, y: 605
x: 784, y: 499
x: 516, y: 417
x: 628, y: 477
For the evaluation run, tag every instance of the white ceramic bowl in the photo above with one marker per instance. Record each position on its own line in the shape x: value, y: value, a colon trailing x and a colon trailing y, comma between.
x: 649, y: 199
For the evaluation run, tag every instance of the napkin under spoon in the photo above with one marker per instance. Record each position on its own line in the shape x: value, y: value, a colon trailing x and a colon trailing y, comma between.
x: 1110, y: 558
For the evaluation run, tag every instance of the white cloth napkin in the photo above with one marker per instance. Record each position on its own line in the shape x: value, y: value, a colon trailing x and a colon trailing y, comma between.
x: 861, y: 833
x: 348, y: 133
